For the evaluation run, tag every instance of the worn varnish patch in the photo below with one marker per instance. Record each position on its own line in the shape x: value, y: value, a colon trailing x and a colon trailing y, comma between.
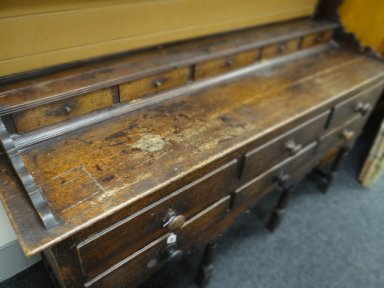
x: 151, y: 143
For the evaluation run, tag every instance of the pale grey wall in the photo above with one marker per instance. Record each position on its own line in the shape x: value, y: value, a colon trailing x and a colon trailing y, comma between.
x: 12, y: 258
x: 7, y: 234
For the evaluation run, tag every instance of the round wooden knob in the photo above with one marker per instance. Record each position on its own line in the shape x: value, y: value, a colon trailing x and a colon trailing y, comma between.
x: 292, y: 147
x: 318, y: 39
x: 367, y: 107
x: 347, y: 134
x: 173, y: 221
x: 282, y: 177
x: 282, y: 47
x: 363, y: 108
x: 172, y: 254
x: 230, y: 62
x: 67, y: 109
x: 158, y: 83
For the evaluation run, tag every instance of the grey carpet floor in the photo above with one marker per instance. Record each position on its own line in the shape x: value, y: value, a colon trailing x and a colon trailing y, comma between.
x: 334, y: 240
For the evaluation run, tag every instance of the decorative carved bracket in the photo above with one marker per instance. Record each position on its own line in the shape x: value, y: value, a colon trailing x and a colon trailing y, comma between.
x: 34, y: 192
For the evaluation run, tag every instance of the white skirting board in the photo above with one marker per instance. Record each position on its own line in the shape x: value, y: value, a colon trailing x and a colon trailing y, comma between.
x: 13, y: 260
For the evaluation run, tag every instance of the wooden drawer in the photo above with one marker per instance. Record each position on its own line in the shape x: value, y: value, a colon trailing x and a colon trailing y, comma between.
x: 262, y: 158
x: 200, y: 230
x: 223, y: 65
x: 316, y: 39
x: 131, y: 234
x: 341, y: 136
x: 361, y: 104
x: 66, y: 109
x: 138, y: 266
x: 294, y: 168
x: 280, y: 49
x: 154, y: 84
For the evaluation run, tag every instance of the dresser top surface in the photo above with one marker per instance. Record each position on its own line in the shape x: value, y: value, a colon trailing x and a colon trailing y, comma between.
x: 91, y: 173
x: 139, y: 157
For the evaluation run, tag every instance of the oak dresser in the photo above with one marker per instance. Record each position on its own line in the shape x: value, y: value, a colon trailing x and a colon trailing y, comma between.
x: 116, y: 167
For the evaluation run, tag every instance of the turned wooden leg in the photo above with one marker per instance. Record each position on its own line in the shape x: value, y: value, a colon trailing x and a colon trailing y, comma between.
x: 276, y: 217
x: 204, y: 273
x: 50, y: 272
x: 327, y: 178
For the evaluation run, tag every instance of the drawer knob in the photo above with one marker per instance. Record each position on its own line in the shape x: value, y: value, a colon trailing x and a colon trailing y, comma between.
x: 230, y: 62
x: 172, y: 254
x: 363, y: 108
x: 67, y: 109
x: 282, y: 178
x: 282, y: 47
x: 173, y: 221
x: 292, y: 147
x: 158, y: 83
x: 319, y: 39
x: 347, y: 134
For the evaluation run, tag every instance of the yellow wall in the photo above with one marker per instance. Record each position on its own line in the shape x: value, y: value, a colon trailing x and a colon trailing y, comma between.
x: 365, y: 19
x: 41, y: 33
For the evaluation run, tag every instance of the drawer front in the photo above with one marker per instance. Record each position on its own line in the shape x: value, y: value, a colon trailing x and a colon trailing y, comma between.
x: 361, y: 104
x: 66, y: 109
x: 277, y: 150
x: 316, y: 39
x: 280, y: 49
x: 342, y: 136
x: 134, y: 269
x: 200, y: 230
x: 154, y: 84
x: 166, y: 215
x: 226, y: 64
x: 299, y: 167
x: 294, y: 168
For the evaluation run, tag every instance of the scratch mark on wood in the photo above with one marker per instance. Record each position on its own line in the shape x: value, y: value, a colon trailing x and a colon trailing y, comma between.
x: 93, y: 178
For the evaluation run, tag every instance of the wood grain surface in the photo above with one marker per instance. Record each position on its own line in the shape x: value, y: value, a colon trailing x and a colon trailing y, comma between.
x: 92, y: 173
